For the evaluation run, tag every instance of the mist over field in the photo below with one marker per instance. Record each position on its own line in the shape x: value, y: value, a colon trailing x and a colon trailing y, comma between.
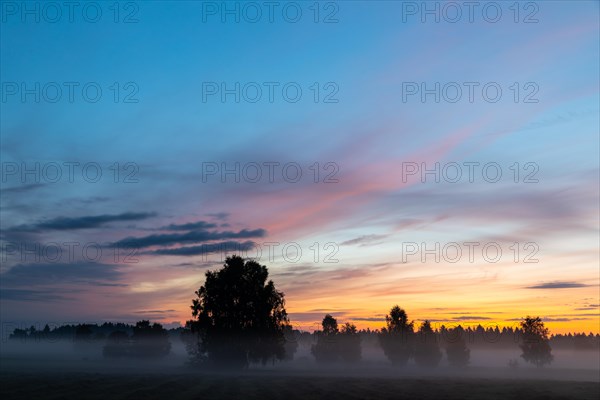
x: 58, y: 369
x: 491, y: 361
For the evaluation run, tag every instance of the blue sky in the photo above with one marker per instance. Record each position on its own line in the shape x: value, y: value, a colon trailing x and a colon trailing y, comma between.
x: 367, y: 57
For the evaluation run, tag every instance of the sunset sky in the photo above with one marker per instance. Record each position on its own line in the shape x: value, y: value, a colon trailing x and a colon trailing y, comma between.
x: 362, y: 226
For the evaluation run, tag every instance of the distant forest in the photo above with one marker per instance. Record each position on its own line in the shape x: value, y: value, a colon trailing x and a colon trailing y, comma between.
x: 479, y: 336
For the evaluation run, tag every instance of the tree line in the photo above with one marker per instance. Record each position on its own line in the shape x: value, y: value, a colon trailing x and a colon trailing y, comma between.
x: 239, y: 318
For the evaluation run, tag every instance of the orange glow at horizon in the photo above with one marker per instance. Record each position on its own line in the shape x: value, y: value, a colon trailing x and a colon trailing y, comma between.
x: 587, y: 324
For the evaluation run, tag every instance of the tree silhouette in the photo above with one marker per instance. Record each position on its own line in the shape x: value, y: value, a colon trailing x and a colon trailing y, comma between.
x: 535, y: 342
x: 240, y: 317
x: 330, y: 325
x: 396, y: 339
x: 117, y: 345
x: 83, y: 333
x: 349, y: 340
x: 82, y: 340
x: 456, y: 348
x: 149, y: 340
x: 427, y: 349
x: 291, y: 337
x: 326, y: 349
x: 20, y: 334
x: 190, y: 336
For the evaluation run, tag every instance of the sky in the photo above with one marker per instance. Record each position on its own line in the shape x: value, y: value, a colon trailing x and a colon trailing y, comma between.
x: 444, y: 159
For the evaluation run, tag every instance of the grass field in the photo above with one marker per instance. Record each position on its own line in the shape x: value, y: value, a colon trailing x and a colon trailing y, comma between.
x: 190, y: 386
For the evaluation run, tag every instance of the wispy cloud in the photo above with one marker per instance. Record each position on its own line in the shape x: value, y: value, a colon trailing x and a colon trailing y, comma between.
x: 22, y: 188
x: 557, y: 285
x: 229, y: 246
x: 219, y: 215
x: 199, y: 236
x: 369, y: 319
x: 85, y: 222
x: 364, y: 240
x: 28, y: 275
x: 155, y: 311
x: 190, y: 226
x: 470, y: 318
x: 32, y: 295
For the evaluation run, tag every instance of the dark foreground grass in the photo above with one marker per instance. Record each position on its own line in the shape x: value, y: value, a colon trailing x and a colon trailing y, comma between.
x: 83, y: 386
